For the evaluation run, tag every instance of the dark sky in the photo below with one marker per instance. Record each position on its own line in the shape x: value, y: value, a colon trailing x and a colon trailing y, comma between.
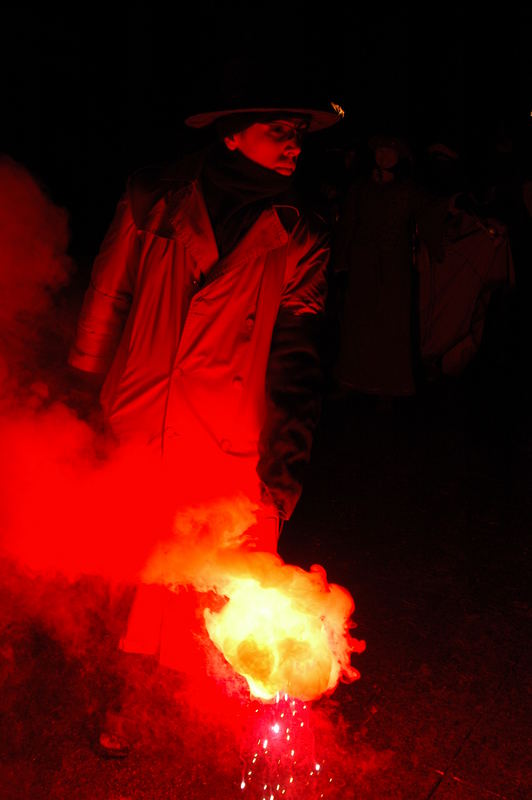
x: 94, y: 92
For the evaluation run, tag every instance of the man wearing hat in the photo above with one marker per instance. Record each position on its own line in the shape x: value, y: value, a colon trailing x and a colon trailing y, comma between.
x: 202, y: 319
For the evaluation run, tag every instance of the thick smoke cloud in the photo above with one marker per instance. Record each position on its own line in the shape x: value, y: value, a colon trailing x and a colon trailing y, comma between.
x: 33, y: 264
x: 36, y: 431
x: 34, y: 239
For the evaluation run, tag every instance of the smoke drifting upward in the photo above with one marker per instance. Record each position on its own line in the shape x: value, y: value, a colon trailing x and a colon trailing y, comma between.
x: 34, y: 238
x: 33, y: 263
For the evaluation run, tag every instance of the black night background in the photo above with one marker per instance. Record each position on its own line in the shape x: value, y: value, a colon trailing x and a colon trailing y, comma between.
x: 93, y: 92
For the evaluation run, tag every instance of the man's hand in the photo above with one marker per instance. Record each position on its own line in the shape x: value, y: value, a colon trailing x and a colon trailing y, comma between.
x: 264, y: 535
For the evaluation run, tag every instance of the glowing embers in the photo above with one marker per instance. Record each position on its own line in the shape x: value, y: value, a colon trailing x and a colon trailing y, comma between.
x: 285, y: 630
x: 278, y: 753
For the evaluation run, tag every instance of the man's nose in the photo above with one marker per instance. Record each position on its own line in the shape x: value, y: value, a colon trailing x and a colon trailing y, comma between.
x: 293, y: 145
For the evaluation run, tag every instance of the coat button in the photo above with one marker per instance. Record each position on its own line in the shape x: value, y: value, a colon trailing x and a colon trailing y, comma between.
x: 238, y: 382
x: 250, y: 322
x: 225, y: 445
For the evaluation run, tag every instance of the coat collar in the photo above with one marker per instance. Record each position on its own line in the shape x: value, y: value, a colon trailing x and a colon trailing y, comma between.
x: 189, y: 218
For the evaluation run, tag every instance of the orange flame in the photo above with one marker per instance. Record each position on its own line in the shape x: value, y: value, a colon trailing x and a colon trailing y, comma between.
x: 285, y: 630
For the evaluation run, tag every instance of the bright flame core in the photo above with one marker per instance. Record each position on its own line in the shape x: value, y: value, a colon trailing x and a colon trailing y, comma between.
x: 287, y: 631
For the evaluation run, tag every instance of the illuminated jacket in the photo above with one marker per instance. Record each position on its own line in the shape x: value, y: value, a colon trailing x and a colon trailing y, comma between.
x: 201, y: 349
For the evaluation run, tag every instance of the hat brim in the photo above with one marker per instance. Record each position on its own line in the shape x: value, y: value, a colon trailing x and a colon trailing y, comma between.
x: 318, y: 120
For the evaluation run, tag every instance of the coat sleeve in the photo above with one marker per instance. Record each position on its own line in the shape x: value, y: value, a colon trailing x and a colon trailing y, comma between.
x: 293, y: 381
x: 108, y: 299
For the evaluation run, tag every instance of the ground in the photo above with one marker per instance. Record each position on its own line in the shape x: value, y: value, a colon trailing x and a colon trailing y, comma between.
x: 422, y: 511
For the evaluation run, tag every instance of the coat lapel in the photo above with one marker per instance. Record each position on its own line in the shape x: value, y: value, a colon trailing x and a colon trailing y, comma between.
x: 190, y: 221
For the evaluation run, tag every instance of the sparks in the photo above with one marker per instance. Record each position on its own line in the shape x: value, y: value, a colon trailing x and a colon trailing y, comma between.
x: 281, y: 769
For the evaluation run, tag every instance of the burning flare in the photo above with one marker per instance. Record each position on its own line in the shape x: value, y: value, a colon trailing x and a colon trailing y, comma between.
x: 285, y: 630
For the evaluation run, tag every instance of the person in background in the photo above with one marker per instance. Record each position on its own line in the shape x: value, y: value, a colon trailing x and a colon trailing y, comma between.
x: 469, y: 266
x: 373, y: 249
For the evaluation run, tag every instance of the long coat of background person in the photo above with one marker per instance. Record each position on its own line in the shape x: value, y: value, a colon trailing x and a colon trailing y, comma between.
x: 375, y: 250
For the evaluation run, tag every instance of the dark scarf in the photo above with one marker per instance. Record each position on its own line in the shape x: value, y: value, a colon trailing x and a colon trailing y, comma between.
x: 236, y: 191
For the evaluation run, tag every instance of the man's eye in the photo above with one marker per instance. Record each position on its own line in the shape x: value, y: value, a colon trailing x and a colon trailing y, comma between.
x: 284, y: 134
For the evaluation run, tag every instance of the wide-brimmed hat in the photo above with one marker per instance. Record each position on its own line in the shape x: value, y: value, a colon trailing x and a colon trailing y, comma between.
x: 317, y: 120
x: 247, y: 89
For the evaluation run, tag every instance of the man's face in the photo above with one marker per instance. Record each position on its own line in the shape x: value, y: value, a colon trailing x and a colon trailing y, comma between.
x: 275, y: 145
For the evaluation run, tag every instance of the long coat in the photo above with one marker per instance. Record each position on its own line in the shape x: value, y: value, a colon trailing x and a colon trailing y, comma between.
x: 203, y: 352
x: 456, y: 289
x: 376, y: 348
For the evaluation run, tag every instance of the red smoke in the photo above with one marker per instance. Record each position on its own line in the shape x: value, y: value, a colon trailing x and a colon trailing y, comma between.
x: 33, y: 263
x: 33, y: 242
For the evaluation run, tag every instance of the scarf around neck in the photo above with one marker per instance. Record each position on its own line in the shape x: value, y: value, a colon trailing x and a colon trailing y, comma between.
x: 236, y: 191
